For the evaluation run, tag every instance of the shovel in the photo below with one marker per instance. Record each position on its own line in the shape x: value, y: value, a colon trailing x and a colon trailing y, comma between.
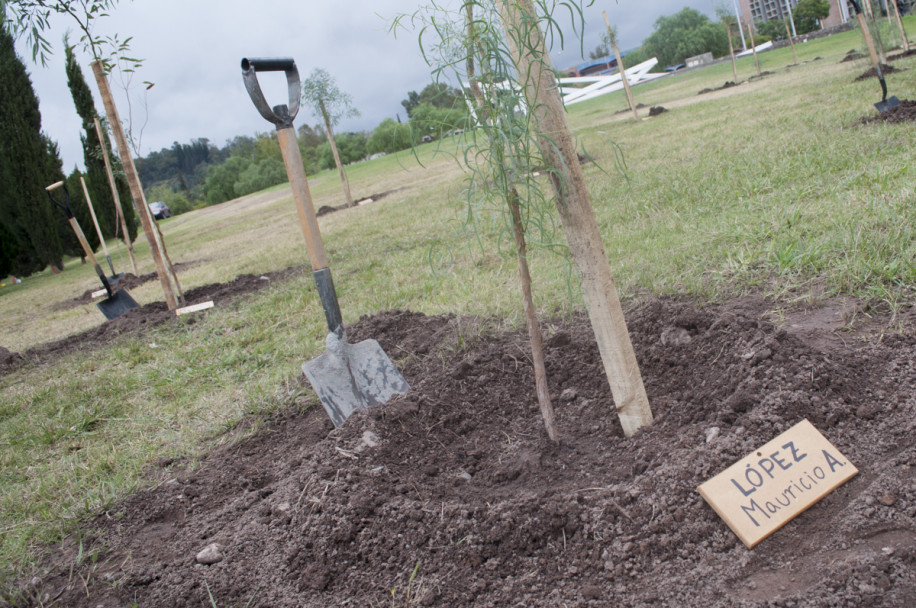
x: 346, y: 377
x: 117, y: 302
x: 885, y: 104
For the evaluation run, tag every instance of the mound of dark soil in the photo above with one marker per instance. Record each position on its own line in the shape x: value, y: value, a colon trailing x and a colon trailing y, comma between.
x: 625, y: 110
x: 656, y: 110
x: 144, y: 317
x: 902, y: 55
x: 728, y: 84
x: 905, y: 112
x: 852, y: 55
x: 873, y: 73
x: 453, y: 496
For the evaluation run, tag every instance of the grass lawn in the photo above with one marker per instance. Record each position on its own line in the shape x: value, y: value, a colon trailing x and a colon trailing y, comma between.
x: 768, y: 185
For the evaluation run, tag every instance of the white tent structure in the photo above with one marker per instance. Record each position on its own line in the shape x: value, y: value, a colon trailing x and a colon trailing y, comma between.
x: 602, y: 85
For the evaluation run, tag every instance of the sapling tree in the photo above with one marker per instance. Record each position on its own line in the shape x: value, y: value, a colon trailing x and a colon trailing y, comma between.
x: 519, y: 144
x: 330, y: 104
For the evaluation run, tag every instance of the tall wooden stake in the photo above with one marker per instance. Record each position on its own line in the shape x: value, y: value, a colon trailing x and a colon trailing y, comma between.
x: 903, y: 41
x: 117, y: 198
x: 620, y: 67
x: 133, y: 180
x: 791, y: 40
x: 526, y: 43
x: 95, y: 222
x: 750, y: 32
x: 731, y: 51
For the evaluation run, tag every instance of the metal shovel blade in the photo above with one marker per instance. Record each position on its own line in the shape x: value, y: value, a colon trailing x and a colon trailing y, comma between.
x: 117, y: 304
x: 348, y: 377
x: 887, y: 104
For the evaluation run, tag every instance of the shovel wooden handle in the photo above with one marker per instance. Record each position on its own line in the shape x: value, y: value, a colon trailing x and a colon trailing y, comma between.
x: 289, y: 147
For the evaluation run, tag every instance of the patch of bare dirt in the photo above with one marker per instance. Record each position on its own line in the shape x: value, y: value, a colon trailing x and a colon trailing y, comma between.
x: 852, y: 55
x: 901, y: 55
x: 873, y: 73
x: 453, y: 496
x: 144, y: 317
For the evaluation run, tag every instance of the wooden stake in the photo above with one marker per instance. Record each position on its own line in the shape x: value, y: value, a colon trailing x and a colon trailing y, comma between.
x: 526, y: 43
x: 903, y: 41
x: 95, y: 222
x: 750, y: 32
x: 133, y: 180
x: 620, y: 67
x: 791, y: 40
x: 731, y: 51
x: 117, y: 198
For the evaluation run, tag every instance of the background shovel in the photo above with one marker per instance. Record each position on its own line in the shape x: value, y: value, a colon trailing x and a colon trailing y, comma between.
x: 117, y: 302
x: 346, y: 377
x: 885, y: 104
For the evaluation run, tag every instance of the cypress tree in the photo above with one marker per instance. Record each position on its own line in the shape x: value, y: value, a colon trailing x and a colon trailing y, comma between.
x: 96, y: 176
x: 24, y: 206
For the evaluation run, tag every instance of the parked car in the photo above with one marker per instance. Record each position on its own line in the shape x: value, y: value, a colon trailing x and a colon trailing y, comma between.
x: 160, y: 210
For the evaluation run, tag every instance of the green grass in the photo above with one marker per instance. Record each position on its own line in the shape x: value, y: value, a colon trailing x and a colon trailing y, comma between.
x: 769, y: 186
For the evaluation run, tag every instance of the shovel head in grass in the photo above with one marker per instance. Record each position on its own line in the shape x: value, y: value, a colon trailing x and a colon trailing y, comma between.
x: 350, y: 377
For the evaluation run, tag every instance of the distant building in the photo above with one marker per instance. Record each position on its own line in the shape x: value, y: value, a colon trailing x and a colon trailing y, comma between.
x: 698, y: 60
x: 603, y: 65
x: 767, y: 10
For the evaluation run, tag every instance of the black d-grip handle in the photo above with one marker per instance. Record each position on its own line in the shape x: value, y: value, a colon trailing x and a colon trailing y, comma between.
x: 281, y: 115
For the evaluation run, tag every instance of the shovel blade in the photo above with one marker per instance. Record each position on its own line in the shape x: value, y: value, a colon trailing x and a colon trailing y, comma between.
x: 888, y: 104
x: 348, y: 377
x: 115, y: 306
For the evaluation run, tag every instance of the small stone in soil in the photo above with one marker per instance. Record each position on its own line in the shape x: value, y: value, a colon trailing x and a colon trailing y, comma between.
x: 210, y: 554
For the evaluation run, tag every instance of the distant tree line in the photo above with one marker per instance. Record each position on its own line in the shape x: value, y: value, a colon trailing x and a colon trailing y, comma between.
x: 689, y: 32
x: 194, y: 175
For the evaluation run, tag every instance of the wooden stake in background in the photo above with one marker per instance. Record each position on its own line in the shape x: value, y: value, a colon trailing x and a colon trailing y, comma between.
x: 750, y: 31
x: 903, y: 41
x: 731, y: 50
x: 95, y: 222
x: 620, y: 67
x: 116, y: 197
x: 526, y: 44
x: 136, y: 190
x: 791, y: 40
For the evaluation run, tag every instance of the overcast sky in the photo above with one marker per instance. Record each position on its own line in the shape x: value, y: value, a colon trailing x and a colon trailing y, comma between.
x: 192, y: 51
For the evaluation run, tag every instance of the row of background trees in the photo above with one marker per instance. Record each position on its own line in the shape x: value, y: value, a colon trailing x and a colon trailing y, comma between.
x: 34, y: 233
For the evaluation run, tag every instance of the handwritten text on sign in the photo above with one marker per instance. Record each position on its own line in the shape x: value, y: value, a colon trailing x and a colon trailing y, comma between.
x: 764, y: 490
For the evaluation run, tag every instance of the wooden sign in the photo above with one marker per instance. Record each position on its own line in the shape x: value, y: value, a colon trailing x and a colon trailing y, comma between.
x: 770, y: 486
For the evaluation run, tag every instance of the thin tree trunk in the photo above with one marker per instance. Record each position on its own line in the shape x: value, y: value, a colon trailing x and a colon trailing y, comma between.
x: 534, y: 331
x: 340, y: 168
x: 529, y: 53
x: 531, y: 320
x: 903, y: 40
